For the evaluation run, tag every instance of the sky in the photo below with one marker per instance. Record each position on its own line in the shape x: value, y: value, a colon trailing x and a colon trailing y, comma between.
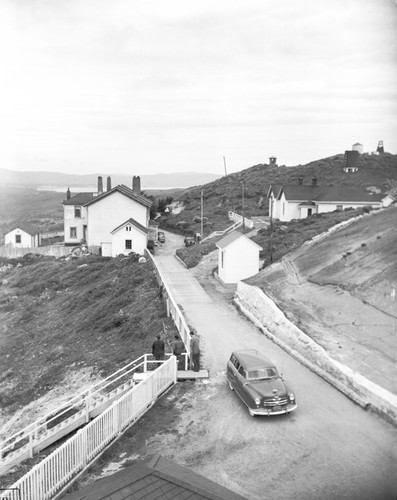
x: 166, y: 86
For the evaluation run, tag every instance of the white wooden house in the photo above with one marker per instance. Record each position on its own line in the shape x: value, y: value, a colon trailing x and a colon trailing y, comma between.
x: 238, y: 257
x: 99, y: 219
x: 23, y: 236
x: 289, y: 202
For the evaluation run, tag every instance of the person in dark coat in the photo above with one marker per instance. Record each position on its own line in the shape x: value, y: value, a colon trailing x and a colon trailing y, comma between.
x: 158, y: 348
x: 195, y: 351
x: 178, y: 347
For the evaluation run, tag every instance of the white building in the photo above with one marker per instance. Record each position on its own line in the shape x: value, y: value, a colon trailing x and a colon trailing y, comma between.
x: 358, y: 147
x: 23, y: 236
x: 238, y: 257
x: 126, y: 238
x: 289, y: 202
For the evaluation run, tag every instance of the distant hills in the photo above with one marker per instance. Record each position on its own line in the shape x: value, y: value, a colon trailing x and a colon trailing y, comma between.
x: 61, y: 180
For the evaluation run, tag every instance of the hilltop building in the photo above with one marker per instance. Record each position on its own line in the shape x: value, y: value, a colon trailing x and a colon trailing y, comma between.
x: 273, y: 161
x: 358, y: 147
x: 351, y: 161
x: 111, y: 222
x: 289, y: 202
x: 380, y: 149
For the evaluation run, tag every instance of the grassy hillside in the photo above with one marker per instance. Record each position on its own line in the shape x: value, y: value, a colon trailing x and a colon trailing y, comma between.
x: 227, y: 193
x: 60, y: 315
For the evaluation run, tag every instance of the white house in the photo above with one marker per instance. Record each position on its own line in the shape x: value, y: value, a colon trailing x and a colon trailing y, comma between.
x: 96, y: 218
x: 238, y: 257
x: 129, y: 237
x: 289, y: 202
x: 24, y: 236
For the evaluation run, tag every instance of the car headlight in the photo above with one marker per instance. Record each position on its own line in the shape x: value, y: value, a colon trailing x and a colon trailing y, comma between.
x: 292, y: 397
x: 257, y: 401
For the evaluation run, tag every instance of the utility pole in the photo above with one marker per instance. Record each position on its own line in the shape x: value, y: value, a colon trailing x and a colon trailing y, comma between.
x: 271, y: 230
x: 202, y: 214
x: 242, y: 185
x: 224, y: 163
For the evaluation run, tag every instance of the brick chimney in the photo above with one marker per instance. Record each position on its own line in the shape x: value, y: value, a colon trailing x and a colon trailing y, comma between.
x: 136, y: 184
x: 68, y: 194
x: 100, y: 185
x: 314, y: 181
x: 300, y: 180
x: 109, y: 184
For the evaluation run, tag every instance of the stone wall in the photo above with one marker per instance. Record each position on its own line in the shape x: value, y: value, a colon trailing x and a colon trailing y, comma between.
x: 263, y: 312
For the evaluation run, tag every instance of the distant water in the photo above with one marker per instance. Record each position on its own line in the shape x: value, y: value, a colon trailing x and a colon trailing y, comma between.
x: 93, y: 189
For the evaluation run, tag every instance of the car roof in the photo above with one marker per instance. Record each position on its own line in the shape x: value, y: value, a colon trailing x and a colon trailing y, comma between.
x: 252, y: 359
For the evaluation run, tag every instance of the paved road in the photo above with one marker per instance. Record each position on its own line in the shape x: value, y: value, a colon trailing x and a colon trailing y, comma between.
x: 329, y: 448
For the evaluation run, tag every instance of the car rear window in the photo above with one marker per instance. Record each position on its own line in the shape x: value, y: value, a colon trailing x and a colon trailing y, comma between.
x: 262, y: 373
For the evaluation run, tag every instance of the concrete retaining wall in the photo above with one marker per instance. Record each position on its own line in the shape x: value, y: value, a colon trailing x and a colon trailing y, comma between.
x: 263, y: 312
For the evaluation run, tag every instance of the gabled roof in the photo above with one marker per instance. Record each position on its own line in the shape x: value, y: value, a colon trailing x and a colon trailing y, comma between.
x: 321, y: 194
x: 231, y: 237
x: 79, y: 199
x: 273, y: 189
x: 27, y: 228
x: 154, y: 478
x: 134, y: 223
x: 140, y: 198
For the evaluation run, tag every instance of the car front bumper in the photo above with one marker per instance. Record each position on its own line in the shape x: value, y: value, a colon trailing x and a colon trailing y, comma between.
x: 268, y: 412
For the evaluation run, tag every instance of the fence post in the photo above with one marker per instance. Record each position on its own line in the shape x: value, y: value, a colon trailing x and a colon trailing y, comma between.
x: 87, y: 406
x: 145, y: 364
x: 31, y: 444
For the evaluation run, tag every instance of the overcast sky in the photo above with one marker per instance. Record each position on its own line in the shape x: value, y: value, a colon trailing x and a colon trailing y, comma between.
x: 149, y: 86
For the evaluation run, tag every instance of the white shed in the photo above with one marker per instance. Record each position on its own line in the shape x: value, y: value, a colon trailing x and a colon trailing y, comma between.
x: 131, y: 236
x: 25, y: 236
x: 238, y: 257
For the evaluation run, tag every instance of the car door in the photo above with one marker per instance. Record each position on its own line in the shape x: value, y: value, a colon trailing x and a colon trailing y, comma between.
x: 240, y: 384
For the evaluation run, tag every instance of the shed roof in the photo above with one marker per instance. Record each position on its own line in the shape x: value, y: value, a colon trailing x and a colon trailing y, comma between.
x: 231, y: 237
x: 126, y: 191
x: 154, y: 478
x: 134, y: 223
x: 27, y: 228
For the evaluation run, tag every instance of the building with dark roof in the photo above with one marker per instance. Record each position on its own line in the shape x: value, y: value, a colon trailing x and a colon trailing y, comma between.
x: 155, y: 478
x: 96, y: 218
x: 289, y: 202
x: 23, y: 236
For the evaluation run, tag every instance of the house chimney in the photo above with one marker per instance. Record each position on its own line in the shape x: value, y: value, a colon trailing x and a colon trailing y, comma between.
x: 314, y: 181
x: 109, y: 184
x: 68, y: 194
x: 136, y: 184
x: 100, y: 185
x: 300, y: 180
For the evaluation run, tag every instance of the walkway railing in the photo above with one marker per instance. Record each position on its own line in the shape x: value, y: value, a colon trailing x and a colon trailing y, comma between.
x: 236, y: 225
x: 239, y: 218
x: 52, y: 475
x: 66, y: 418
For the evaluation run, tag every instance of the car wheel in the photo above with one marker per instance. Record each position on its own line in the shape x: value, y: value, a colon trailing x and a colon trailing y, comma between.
x: 230, y: 385
x: 251, y: 412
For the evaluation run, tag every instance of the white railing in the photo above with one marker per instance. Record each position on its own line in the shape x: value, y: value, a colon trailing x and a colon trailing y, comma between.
x: 52, y: 475
x: 229, y: 229
x: 239, y: 218
x: 66, y: 418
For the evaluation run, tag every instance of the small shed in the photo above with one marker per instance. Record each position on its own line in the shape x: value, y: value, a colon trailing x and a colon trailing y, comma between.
x: 24, y: 236
x: 238, y: 257
x: 131, y: 236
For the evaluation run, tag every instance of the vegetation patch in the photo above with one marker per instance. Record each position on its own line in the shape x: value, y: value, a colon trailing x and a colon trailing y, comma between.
x: 192, y: 255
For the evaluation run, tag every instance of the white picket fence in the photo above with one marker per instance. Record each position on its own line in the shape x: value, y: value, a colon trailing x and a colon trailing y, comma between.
x: 52, y: 475
x: 239, y: 218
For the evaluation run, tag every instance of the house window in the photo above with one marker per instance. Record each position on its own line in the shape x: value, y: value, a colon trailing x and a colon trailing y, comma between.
x: 339, y: 207
x: 128, y: 244
x: 77, y: 212
x: 18, y: 238
x: 73, y: 232
x: 222, y: 259
x: 283, y: 208
x: 128, y: 228
x: 309, y: 211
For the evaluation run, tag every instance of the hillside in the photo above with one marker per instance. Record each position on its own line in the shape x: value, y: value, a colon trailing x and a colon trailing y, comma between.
x: 379, y: 172
x: 74, y: 320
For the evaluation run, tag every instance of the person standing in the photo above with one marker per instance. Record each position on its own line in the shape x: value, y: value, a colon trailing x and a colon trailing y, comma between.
x: 158, y: 348
x: 195, y: 351
x: 178, y: 348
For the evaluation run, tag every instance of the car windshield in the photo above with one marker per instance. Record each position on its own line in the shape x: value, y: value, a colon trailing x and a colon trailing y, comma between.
x: 263, y: 373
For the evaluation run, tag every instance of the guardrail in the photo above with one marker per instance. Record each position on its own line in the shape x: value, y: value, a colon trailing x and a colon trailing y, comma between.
x: 73, y: 414
x: 231, y: 228
x: 52, y: 475
x: 239, y: 218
